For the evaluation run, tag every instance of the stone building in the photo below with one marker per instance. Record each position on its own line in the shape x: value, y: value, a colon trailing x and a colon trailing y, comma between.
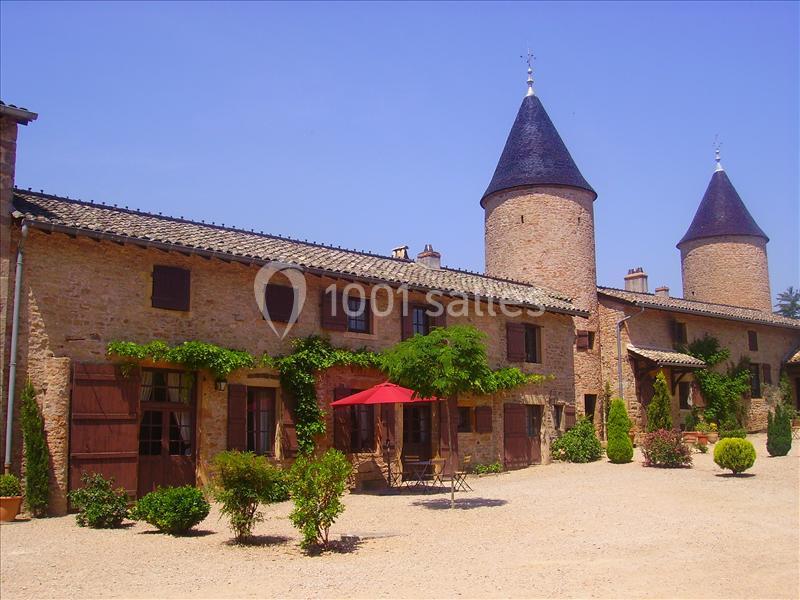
x: 96, y: 273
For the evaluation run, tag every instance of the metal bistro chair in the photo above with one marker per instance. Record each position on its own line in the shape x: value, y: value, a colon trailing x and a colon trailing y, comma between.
x: 409, y: 474
x: 437, y: 473
x: 460, y: 477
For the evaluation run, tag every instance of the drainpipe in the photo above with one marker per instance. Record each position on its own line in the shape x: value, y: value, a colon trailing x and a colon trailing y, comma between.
x: 12, y: 367
x: 619, y: 352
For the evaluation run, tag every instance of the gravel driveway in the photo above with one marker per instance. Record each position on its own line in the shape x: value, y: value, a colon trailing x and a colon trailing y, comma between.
x: 597, y: 530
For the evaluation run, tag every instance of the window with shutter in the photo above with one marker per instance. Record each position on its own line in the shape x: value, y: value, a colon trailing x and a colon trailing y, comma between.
x: 464, y: 419
x: 755, y: 381
x: 752, y: 341
x: 582, y: 341
x: 483, y: 419
x: 261, y: 420
x: 170, y: 288
x: 515, y: 342
x: 679, y: 334
x: 533, y: 344
x: 358, y: 321
x: 278, y: 302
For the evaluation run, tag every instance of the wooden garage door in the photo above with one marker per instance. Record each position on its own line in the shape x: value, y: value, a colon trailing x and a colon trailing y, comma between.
x: 104, y: 425
x: 516, y: 442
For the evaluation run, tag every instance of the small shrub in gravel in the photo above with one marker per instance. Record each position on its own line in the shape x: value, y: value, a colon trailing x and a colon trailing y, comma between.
x: 665, y: 448
x: 620, y: 446
x: 99, y: 505
x: 735, y: 454
x: 732, y: 433
x: 173, y: 510
x: 578, y: 445
x: 495, y: 467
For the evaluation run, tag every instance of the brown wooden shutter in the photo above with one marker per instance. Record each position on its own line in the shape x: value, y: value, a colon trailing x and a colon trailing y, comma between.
x: 483, y: 419
x: 407, y: 323
x: 766, y: 374
x: 582, y: 341
x: 104, y: 428
x: 170, y: 288
x: 333, y: 315
x: 237, y: 416
x: 515, y: 342
x: 752, y: 341
x: 279, y: 301
x: 569, y: 416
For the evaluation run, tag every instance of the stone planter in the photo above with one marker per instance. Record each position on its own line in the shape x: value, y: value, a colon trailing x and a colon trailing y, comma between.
x: 702, y: 437
x: 690, y: 437
x: 9, y: 507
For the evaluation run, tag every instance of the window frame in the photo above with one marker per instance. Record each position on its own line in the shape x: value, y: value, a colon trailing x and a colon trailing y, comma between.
x: 254, y: 431
x: 536, y: 331
x: 752, y: 340
x: 680, y: 333
x: 469, y: 426
x: 755, y: 380
x: 424, y: 327
x: 363, y: 317
x: 362, y: 428
x: 684, y: 385
x: 558, y: 416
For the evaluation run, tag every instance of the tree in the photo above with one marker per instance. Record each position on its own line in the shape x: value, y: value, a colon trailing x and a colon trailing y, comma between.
x: 37, y: 455
x: 779, y: 430
x: 620, y: 447
x: 447, y: 362
x: 659, y: 413
x: 788, y: 303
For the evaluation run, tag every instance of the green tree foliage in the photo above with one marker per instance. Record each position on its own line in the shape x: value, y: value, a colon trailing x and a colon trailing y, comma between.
x: 37, y: 455
x: 447, y: 362
x: 241, y: 482
x: 665, y: 449
x: 578, y: 445
x: 779, y: 430
x: 788, y: 303
x: 317, y: 487
x: 620, y: 446
x: 173, y: 510
x: 9, y: 485
x: 735, y: 454
x: 659, y: 412
x: 99, y: 505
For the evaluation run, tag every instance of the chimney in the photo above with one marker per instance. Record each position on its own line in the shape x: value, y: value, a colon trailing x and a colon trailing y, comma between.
x: 636, y: 280
x: 430, y: 258
x: 400, y: 252
x: 662, y: 291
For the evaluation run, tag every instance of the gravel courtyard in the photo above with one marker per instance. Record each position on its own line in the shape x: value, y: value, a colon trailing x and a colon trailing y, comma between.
x: 596, y: 530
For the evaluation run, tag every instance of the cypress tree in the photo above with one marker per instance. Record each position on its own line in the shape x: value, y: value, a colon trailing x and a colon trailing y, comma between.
x: 779, y: 431
x: 659, y: 413
x: 37, y: 455
x: 620, y: 447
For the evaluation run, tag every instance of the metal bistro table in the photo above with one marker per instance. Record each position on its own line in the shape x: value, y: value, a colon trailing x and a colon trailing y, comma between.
x: 424, y: 474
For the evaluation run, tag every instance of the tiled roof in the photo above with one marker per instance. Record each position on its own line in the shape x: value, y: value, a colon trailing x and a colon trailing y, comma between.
x: 17, y: 113
x: 668, y: 358
x: 534, y: 154
x: 722, y: 212
x: 707, y: 309
x: 794, y: 359
x: 72, y: 216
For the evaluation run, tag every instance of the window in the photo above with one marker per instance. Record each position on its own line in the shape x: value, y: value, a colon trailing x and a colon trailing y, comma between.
x: 165, y: 386
x: 585, y: 340
x: 532, y: 344
x: 464, y: 419
x: 359, y: 315
x: 166, y: 398
x: 261, y: 420
x: 589, y: 403
x: 362, y: 428
x: 534, y: 418
x: 416, y: 424
x: 420, y: 321
x: 278, y: 302
x: 766, y: 372
x: 180, y: 433
x: 679, y: 334
x: 170, y: 288
x: 684, y: 394
x: 150, y: 433
x: 755, y: 381
x: 752, y: 341
x: 558, y: 414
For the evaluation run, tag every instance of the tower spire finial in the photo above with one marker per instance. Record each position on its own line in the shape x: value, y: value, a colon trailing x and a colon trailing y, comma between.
x: 530, y: 59
x: 717, y: 145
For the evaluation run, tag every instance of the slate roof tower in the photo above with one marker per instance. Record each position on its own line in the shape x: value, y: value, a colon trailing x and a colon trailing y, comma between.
x: 724, y: 251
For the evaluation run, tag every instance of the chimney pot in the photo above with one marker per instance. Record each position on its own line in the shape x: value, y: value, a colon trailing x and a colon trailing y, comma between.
x: 400, y: 252
x: 662, y: 291
x: 430, y: 258
x: 636, y: 280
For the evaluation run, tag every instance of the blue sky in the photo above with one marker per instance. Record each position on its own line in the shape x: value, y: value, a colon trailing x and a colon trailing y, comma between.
x: 374, y: 125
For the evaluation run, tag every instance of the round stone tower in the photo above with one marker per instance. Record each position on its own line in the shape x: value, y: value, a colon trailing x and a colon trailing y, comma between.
x: 539, y: 214
x: 724, y: 252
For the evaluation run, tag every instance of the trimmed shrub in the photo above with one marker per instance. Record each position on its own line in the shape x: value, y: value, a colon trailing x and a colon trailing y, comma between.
x: 735, y: 454
x: 241, y: 481
x: 665, y: 448
x: 495, y: 467
x: 317, y: 487
x: 578, y: 445
x: 620, y: 446
x: 9, y: 485
x: 659, y: 411
x: 732, y: 433
x: 173, y: 510
x: 779, y: 430
x: 37, y: 455
x: 99, y: 505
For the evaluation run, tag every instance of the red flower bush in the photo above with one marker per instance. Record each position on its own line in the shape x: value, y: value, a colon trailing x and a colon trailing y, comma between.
x: 665, y: 448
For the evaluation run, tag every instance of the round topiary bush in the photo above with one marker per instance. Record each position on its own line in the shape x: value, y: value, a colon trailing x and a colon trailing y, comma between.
x: 735, y: 454
x: 620, y: 446
x: 172, y: 510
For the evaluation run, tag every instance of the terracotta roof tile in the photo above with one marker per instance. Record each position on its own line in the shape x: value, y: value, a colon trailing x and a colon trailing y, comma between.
x: 667, y: 357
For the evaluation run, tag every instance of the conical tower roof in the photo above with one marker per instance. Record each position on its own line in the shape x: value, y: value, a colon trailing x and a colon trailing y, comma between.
x: 722, y: 212
x: 535, y: 154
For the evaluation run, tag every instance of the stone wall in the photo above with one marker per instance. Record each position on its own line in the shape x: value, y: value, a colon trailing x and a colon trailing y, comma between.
x: 727, y: 270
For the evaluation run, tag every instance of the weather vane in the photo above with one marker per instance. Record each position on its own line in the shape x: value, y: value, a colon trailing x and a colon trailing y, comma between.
x: 717, y: 146
x: 530, y: 59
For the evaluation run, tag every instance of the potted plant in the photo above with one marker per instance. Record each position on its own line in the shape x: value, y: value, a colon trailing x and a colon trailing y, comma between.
x: 10, y: 497
x: 703, y: 429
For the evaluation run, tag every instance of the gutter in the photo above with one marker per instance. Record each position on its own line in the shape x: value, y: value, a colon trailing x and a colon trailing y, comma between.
x: 12, y: 368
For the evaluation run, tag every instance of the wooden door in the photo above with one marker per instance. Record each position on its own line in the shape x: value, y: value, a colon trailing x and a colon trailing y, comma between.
x: 417, y: 430
x: 535, y: 432
x: 103, y: 425
x: 166, y: 430
x: 516, y: 442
